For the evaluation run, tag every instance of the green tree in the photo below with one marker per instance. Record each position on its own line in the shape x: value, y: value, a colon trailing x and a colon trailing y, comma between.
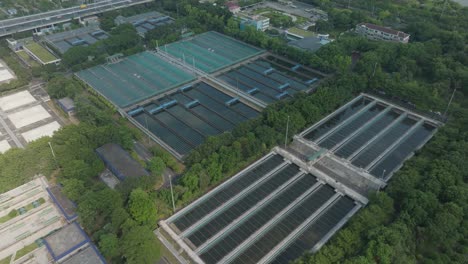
x: 139, y: 245
x: 118, y: 217
x: 109, y: 245
x: 74, y: 189
x: 142, y: 208
x: 157, y: 166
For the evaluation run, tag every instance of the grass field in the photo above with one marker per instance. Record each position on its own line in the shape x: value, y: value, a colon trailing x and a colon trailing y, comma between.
x: 301, y: 32
x: 27, y: 58
x: 43, y: 54
x: 6, y: 218
x: 5, y: 260
x: 27, y: 249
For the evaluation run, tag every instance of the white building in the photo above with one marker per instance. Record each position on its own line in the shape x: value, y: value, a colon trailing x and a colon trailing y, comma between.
x: 259, y: 22
x: 376, y: 32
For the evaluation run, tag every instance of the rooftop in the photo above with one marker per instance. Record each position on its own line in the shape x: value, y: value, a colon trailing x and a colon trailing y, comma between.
x: 132, y: 19
x: 310, y: 43
x: 391, y: 31
x: 88, y: 255
x: 84, y: 36
x: 300, y: 32
x: 66, y: 240
x: 120, y: 162
x: 67, y: 207
x: 66, y: 103
x: 145, y: 22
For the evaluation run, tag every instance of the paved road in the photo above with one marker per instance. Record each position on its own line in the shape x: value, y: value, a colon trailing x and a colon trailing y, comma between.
x: 9, y: 131
x: 14, y: 25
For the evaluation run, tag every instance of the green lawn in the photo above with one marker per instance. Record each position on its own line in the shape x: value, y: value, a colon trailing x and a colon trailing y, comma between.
x: 300, y: 20
x: 29, y: 248
x: 266, y: 9
x: 27, y: 58
x: 5, y: 260
x: 9, y: 216
x: 301, y: 32
x: 43, y: 54
x: 28, y: 207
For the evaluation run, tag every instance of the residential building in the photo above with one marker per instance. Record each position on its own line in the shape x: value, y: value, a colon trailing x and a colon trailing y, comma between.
x: 259, y: 22
x: 233, y: 7
x: 376, y: 32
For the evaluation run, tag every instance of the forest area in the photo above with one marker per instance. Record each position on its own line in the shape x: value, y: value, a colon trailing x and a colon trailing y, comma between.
x: 421, y: 217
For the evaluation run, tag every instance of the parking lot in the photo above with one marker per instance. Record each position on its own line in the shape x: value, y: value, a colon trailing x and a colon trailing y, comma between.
x: 24, y: 117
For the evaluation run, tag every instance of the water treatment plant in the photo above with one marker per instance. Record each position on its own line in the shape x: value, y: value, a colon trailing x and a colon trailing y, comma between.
x: 293, y: 199
x: 296, y: 197
x: 189, y: 90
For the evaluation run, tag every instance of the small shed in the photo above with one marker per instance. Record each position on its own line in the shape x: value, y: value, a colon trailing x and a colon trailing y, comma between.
x: 119, y: 162
x: 67, y: 105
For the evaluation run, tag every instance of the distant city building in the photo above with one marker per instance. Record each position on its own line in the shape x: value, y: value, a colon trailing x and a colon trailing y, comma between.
x: 90, y: 21
x: 233, y: 7
x: 85, y: 36
x: 259, y: 22
x: 145, y: 22
x: 376, y: 32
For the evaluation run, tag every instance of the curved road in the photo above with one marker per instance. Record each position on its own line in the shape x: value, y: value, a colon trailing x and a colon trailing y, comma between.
x: 14, y: 25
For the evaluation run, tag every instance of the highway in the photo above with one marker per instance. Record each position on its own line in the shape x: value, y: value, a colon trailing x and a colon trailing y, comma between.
x: 19, y: 24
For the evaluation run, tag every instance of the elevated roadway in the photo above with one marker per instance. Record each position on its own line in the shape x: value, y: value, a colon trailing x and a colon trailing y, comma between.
x: 24, y: 23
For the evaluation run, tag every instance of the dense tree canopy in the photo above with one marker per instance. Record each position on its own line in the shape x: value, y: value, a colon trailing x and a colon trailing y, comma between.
x: 141, y: 207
